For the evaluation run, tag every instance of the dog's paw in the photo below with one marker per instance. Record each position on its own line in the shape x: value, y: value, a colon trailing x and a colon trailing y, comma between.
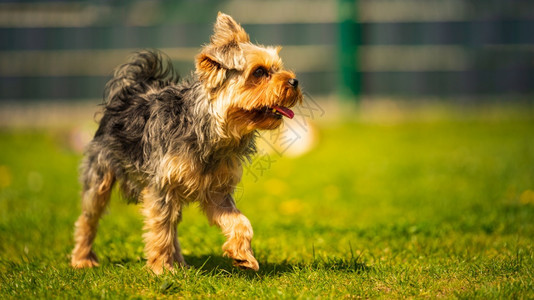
x: 159, y: 267
x: 243, y: 257
x: 251, y: 264
x: 87, y: 261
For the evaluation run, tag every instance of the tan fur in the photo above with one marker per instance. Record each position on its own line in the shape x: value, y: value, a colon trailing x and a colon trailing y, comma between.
x: 188, y: 182
x: 162, y: 215
x: 221, y: 211
x: 94, y: 202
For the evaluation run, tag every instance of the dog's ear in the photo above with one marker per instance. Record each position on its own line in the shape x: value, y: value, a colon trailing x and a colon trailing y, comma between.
x: 227, y: 31
x: 223, y: 53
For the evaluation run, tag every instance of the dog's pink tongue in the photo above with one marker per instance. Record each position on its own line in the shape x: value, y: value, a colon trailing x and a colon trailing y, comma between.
x: 285, y: 111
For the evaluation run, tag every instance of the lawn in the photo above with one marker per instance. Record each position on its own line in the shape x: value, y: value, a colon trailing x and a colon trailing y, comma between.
x: 433, y: 205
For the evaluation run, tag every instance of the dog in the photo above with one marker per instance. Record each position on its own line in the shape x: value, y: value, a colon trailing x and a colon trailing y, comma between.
x: 168, y: 142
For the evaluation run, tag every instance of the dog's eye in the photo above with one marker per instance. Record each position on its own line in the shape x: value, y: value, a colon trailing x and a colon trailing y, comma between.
x: 260, y: 72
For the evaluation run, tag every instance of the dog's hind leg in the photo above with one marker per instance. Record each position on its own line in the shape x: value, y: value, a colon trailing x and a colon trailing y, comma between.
x: 97, y: 184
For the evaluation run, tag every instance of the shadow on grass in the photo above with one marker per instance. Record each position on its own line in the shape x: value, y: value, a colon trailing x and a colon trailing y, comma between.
x: 217, y: 265
x: 213, y: 264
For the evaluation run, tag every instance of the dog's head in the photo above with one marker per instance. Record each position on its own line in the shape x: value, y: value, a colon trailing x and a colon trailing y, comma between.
x: 247, y: 84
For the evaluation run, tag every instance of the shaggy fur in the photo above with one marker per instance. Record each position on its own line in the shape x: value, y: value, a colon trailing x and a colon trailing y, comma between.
x: 168, y: 142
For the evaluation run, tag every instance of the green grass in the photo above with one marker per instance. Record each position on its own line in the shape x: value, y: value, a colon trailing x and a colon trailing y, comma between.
x: 440, y: 207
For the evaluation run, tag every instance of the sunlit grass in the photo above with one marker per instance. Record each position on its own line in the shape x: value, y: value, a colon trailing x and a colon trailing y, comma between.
x: 426, y: 207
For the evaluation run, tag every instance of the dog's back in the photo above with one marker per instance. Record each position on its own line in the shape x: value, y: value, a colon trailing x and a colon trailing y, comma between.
x: 118, y: 143
x: 126, y: 107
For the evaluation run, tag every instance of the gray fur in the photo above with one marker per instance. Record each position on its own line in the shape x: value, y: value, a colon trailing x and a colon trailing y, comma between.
x: 150, y: 113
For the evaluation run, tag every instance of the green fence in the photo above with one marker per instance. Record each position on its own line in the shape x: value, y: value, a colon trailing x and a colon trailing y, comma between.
x: 395, y: 48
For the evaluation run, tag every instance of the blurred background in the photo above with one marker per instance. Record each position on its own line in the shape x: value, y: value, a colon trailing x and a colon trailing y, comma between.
x: 475, y: 50
x: 414, y: 147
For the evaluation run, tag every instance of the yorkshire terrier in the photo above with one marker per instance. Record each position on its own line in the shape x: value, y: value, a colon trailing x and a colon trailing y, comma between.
x: 169, y: 142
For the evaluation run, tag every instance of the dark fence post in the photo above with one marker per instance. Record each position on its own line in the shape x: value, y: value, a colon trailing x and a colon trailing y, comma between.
x: 349, y: 86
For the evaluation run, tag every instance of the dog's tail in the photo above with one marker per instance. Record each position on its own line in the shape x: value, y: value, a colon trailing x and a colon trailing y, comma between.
x: 148, y: 69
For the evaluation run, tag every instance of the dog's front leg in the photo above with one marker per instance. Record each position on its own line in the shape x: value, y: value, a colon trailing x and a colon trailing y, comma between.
x: 222, y: 212
x: 162, y: 213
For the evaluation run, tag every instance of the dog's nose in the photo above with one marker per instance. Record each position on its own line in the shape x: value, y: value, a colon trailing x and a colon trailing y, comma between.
x: 293, y: 82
